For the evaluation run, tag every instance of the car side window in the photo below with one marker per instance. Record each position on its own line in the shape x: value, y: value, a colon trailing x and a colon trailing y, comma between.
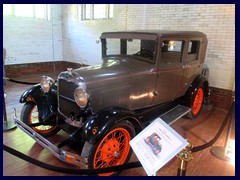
x: 193, y: 50
x: 142, y: 49
x: 171, y: 52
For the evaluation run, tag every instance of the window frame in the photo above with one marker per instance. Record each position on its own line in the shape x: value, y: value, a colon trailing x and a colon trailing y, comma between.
x: 164, y: 65
x: 82, y: 12
x: 46, y: 13
x: 198, y: 52
x: 123, y: 48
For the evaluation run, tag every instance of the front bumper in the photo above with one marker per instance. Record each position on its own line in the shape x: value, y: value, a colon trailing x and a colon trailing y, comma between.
x: 63, y: 155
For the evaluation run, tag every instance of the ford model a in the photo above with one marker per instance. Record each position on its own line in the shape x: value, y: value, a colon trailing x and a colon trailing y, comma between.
x: 98, y: 106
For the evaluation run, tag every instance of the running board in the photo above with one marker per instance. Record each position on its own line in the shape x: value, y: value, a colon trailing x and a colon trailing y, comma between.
x: 174, y: 114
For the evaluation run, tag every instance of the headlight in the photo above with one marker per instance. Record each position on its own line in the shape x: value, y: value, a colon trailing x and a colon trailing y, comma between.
x: 81, y: 97
x: 46, y: 83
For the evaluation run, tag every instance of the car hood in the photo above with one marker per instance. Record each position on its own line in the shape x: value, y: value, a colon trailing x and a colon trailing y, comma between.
x: 111, y: 69
x: 108, y: 84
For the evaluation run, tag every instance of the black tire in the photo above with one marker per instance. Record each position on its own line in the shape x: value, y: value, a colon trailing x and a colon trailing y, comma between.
x: 196, y: 102
x: 29, y: 114
x: 113, y: 148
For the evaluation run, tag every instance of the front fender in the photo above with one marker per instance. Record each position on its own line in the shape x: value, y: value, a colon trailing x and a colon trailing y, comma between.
x: 31, y: 94
x: 46, y: 102
x: 99, y: 124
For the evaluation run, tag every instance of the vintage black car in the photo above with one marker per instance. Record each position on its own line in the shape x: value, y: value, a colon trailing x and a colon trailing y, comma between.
x: 154, y: 142
x: 98, y: 106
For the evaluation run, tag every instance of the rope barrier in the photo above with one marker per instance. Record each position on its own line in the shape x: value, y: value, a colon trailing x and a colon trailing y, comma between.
x: 20, y: 82
x: 210, y: 143
x: 67, y: 170
x: 109, y: 169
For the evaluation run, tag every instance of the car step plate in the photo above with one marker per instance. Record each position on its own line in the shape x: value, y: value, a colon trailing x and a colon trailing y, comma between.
x: 174, y: 114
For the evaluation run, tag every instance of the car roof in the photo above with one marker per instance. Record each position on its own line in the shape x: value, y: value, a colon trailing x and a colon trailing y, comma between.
x: 159, y: 33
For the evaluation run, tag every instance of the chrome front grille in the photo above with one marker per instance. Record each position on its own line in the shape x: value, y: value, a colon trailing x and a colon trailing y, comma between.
x: 68, y: 81
x: 66, y: 102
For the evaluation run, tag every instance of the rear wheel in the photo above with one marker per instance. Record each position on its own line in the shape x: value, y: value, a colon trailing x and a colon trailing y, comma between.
x: 147, y: 140
x: 157, y: 151
x: 113, y: 149
x: 196, y: 103
x: 29, y: 115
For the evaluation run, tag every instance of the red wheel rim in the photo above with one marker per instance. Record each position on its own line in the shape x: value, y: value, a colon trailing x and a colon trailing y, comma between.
x: 33, y: 118
x: 112, y: 150
x: 198, y: 100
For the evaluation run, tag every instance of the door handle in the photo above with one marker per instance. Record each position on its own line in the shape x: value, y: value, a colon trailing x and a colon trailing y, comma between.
x: 154, y: 70
x: 155, y: 93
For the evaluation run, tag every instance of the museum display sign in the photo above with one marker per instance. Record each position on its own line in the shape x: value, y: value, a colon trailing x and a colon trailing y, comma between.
x: 157, y: 144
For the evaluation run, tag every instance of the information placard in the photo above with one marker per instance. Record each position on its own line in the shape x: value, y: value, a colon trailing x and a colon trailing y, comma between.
x: 156, y: 145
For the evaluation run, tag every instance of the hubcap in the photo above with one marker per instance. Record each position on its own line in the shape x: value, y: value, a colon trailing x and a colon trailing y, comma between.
x: 112, y: 150
x: 198, y: 100
x: 116, y: 154
x: 34, y: 119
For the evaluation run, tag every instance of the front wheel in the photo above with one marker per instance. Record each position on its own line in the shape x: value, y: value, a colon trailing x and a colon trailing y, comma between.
x: 113, y: 149
x: 196, y: 103
x: 29, y: 115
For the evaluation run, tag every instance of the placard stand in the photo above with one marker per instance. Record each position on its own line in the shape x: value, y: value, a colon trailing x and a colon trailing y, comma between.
x: 184, y: 156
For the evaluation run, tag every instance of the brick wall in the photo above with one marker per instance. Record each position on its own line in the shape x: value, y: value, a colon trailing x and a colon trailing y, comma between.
x: 221, y: 98
x: 67, y: 38
x: 16, y: 71
x: 215, y: 20
x: 79, y: 37
x: 30, y: 40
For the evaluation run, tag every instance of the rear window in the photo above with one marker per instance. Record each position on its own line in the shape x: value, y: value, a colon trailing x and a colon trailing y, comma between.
x: 171, y: 51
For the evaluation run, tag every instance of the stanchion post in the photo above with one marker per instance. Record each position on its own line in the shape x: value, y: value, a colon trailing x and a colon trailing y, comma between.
x: 222, y: 152
x: 184, y: 156
x: 6, y: 124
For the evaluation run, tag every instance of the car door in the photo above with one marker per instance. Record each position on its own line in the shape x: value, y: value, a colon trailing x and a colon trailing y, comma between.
x: 192, y: 62
x: 143, y: 85
x: 143, y: 69
x: 170, y: 73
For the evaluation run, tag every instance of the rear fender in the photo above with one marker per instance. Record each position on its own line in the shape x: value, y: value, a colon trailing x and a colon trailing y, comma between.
x: 199, y: 81
x: 99, y: 124
x: 46, y: 102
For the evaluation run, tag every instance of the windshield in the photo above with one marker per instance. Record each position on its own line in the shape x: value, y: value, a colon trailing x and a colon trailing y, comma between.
x: 144, y: 50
